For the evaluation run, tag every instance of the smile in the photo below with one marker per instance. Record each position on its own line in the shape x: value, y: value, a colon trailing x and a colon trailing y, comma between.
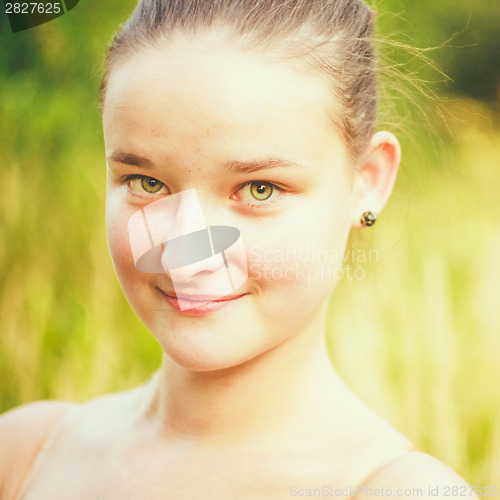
x: 196, y: 305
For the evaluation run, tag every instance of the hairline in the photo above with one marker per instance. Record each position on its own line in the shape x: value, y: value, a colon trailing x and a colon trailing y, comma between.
x: 305, y: 63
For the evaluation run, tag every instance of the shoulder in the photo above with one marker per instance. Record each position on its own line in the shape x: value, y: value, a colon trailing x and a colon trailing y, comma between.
x: 417, y: 474
x: 23, y: 431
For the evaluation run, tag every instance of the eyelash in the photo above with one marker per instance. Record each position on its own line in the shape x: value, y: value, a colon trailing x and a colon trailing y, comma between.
x: 264, y: 204
x: 130, y: 178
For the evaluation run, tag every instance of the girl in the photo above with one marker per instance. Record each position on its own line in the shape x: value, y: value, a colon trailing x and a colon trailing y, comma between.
x: 240, y: 152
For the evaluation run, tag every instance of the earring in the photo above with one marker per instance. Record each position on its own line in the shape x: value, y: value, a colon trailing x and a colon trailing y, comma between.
x: 368, y: 219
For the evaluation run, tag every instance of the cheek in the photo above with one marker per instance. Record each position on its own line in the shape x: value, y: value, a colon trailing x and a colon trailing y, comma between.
x: 134, y: 283
x: 305, y: 252
x: 118, y: 241
x: 307, y: 263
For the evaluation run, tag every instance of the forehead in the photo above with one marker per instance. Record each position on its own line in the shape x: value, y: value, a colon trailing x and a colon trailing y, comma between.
x: 189, y: 99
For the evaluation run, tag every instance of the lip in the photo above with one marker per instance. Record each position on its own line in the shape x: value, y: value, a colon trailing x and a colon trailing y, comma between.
x: 197, y: 305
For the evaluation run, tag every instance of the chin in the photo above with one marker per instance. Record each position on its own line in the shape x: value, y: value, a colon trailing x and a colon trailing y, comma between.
x: 203, y: 363
x: 209, y: 350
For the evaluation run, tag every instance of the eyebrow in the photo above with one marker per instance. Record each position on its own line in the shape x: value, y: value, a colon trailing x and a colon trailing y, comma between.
x: 234, y: 166
x: 256, y: 165
x: 130, y: 159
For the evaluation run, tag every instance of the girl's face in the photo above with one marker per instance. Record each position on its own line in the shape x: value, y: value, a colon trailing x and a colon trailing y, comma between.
x: 254, y: 138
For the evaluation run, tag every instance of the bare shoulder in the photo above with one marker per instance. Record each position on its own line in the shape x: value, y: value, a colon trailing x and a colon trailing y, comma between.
x: 22, y: 433
x: 45, y: 426
x: 418, y: 474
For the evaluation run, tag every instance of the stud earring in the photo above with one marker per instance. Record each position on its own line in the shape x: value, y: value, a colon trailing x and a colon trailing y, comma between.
x: 368, y: 219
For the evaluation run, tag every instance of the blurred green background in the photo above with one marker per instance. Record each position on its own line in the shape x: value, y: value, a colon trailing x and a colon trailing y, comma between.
x: 418, y: 338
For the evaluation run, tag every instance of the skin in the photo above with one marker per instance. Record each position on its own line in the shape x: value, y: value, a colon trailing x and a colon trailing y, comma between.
x: 246, y: 399
x: 155, y: 108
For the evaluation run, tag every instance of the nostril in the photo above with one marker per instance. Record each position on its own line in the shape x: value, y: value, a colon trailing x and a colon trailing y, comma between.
x: 196, y: 270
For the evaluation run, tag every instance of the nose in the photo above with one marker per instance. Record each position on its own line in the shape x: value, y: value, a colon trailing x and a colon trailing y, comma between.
x: 174, y: 216
x: 159, y: 222
x: 171, y: 236
x: 189, y: 255
x: 210, y: 263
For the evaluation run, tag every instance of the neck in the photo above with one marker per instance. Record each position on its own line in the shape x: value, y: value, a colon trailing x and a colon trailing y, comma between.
x: 289, y: 387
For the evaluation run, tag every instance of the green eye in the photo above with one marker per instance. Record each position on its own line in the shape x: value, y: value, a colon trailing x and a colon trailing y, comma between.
x: 151, y: 185
x: 261, y: 191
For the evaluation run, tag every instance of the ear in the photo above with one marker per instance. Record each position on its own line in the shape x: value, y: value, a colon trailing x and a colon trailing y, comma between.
x: 377, y: 175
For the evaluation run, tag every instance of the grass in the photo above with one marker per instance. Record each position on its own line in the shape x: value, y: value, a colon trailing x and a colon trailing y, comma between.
x: 420, y: 341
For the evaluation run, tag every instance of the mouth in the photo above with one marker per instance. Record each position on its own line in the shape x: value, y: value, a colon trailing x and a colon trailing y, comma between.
x: 199, y: 304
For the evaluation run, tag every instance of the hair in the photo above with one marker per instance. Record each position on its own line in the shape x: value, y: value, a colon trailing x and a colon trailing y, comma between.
x: 331, y: 37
